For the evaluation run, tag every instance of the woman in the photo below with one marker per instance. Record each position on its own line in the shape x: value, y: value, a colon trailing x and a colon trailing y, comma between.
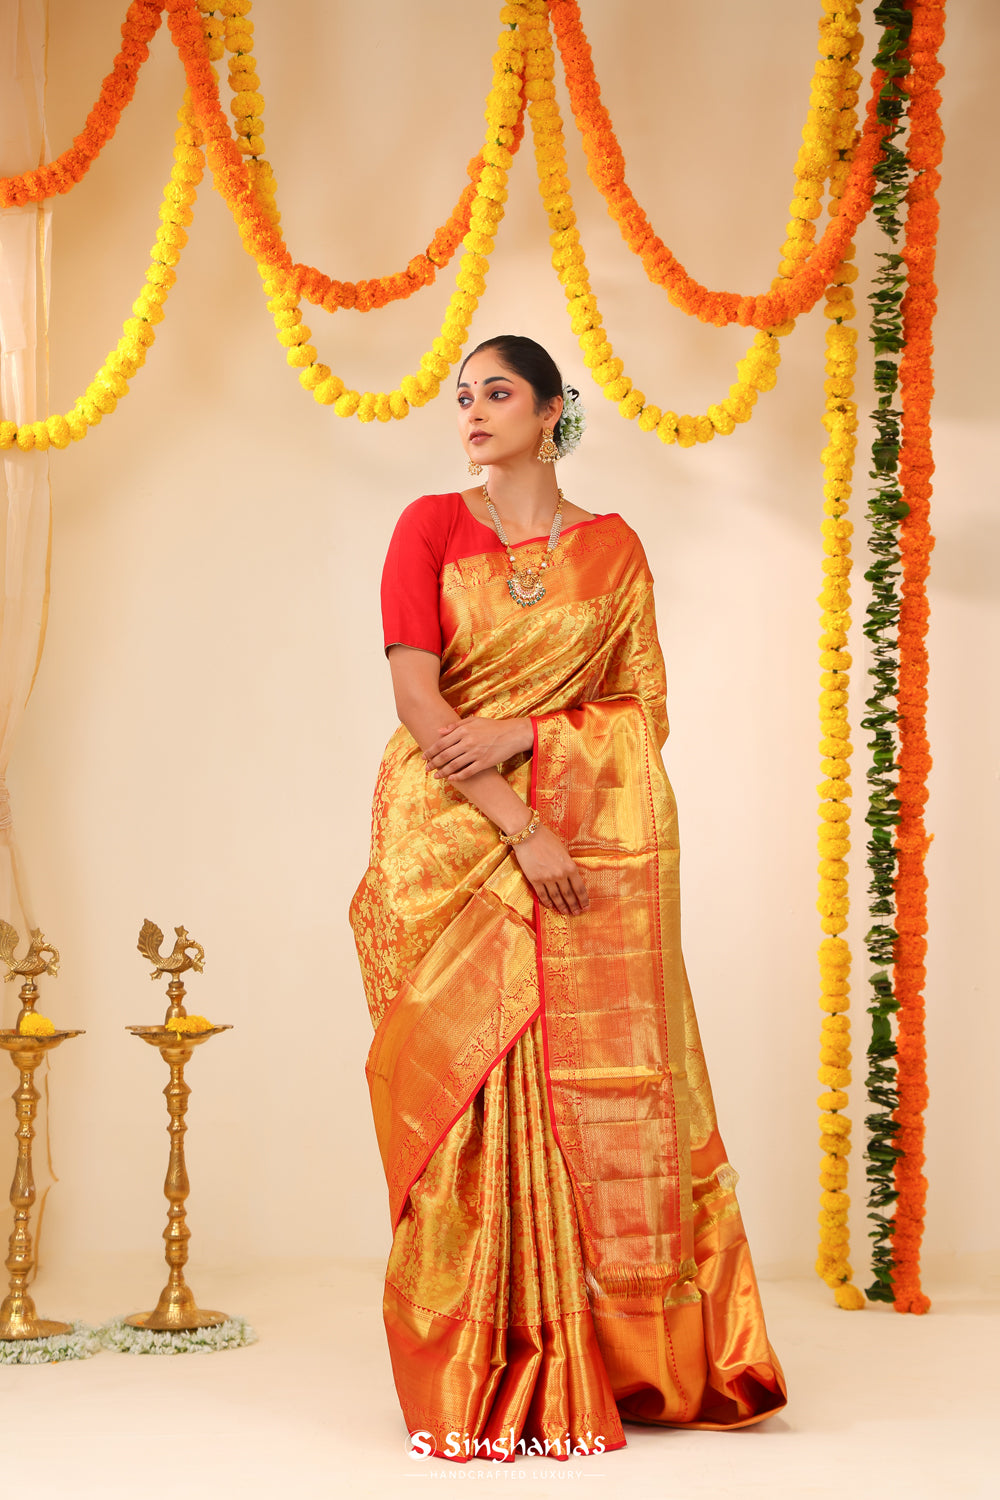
x: 568, y: 1250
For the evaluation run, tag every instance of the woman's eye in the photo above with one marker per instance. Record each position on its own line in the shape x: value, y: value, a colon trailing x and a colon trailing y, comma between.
x: 498, y: 393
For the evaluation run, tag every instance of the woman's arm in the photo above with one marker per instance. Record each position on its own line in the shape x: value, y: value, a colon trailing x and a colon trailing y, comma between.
x: 471, y: 743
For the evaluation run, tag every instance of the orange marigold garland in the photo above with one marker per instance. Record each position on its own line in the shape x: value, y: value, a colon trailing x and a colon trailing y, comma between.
x: 141, y: 23
x: 787, y: 299
x: 916, y: 466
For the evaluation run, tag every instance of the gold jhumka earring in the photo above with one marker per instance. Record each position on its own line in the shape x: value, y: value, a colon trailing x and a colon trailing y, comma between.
x: 547, y: 452
x: 475, y: 469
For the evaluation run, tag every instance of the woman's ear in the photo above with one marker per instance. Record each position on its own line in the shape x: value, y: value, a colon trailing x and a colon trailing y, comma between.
x: 552, y: 411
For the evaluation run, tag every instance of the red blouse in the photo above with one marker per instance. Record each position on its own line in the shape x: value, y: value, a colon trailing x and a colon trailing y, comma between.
x: 433, y: 531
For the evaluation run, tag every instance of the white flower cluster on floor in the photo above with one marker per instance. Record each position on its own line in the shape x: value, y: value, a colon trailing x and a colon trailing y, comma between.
x: 80, y: 1343
x: 123, y: 1339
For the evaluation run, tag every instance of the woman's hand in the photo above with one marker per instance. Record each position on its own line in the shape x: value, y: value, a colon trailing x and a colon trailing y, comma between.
x: 550, y: 868
x: 472, y: 745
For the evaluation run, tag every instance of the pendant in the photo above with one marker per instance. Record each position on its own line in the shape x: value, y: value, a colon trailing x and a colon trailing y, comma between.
x: 524, y: 593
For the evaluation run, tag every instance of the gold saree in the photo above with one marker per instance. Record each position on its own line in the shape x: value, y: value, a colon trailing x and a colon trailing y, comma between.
x: 568, y: 1249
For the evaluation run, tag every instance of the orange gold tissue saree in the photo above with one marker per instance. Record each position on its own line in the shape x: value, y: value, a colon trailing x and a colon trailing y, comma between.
x: 568, y: 1249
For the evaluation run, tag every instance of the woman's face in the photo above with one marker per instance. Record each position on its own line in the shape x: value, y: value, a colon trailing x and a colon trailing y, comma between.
x: 497, y: 420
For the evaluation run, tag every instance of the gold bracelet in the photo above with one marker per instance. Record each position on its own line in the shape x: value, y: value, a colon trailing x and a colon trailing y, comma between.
x: 519, y: 838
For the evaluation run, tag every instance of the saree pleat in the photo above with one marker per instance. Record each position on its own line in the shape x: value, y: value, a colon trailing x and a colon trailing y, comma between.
x: 490, y: 1330
x: 568, y: 1250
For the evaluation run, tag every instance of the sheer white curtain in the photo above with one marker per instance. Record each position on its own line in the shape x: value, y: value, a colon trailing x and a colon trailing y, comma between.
x: 25, y: 508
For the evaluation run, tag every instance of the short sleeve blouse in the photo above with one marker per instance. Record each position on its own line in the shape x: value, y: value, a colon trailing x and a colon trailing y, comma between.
x: 434, y: 530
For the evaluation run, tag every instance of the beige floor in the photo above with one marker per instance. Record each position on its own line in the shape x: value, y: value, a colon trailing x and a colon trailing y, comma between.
x: 880, y: 1406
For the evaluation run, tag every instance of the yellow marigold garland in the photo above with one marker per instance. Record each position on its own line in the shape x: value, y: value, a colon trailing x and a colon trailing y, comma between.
x: 503, y: 110
x: 825, y: 154
x: 840, y: 421
x: 111, y: 381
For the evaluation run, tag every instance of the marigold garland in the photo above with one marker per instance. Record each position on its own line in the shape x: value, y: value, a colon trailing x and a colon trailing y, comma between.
x: 284, y: 292
x: 141, y: 23
x: 228, y: 27
x: 840, y: 421
x: 828, y: 139
x: 885, y: 510
x: 256, y: 219
x: 248, y: 187
x: 111, y: 381
x: 916, y: 466
x: 264, y: 242
x: 787, y: 299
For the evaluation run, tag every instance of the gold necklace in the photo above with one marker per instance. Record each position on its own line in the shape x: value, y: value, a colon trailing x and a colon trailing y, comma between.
x: 525, y: 585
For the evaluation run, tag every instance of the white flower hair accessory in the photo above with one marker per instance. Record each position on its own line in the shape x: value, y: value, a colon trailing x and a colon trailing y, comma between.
x: 572, y: 422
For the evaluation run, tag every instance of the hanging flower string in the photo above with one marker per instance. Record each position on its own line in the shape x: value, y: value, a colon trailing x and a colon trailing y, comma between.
x: 111, y: 381
x: 505, y: 128
x: 505, y: 107
x: 284, y: 291
x: 228, y: 27
x: 828, y: 139
x: 606, y: 165
x: 247, y: 186
x: 916, y: 466
x: 840, y: 420
x: 141, y: 23
x: 885, y: 509
x: 263, y: 240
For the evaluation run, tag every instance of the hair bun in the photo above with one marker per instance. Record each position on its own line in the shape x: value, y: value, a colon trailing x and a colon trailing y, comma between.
x: 569, y: 428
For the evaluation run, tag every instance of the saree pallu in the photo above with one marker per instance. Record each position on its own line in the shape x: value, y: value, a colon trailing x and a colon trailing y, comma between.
x: 567, y: 1246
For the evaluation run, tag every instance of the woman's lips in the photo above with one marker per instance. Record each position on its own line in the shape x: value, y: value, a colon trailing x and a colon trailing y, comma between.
x: 479, y: 437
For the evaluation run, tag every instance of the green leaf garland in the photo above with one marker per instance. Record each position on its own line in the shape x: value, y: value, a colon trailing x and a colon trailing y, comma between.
x: 885, y: 510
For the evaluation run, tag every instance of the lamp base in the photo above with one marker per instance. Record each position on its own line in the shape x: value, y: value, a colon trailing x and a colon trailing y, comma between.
x: 31, y: 1328
x: 177, y: 1320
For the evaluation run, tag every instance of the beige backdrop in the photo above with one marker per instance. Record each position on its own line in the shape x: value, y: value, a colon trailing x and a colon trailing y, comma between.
x: 206, y: 728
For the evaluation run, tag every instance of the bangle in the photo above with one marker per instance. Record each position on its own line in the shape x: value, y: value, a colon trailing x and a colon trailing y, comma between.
x: 519, y: 838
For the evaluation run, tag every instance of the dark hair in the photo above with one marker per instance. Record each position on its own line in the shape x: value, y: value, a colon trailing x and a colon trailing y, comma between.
x: 529, y: 360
